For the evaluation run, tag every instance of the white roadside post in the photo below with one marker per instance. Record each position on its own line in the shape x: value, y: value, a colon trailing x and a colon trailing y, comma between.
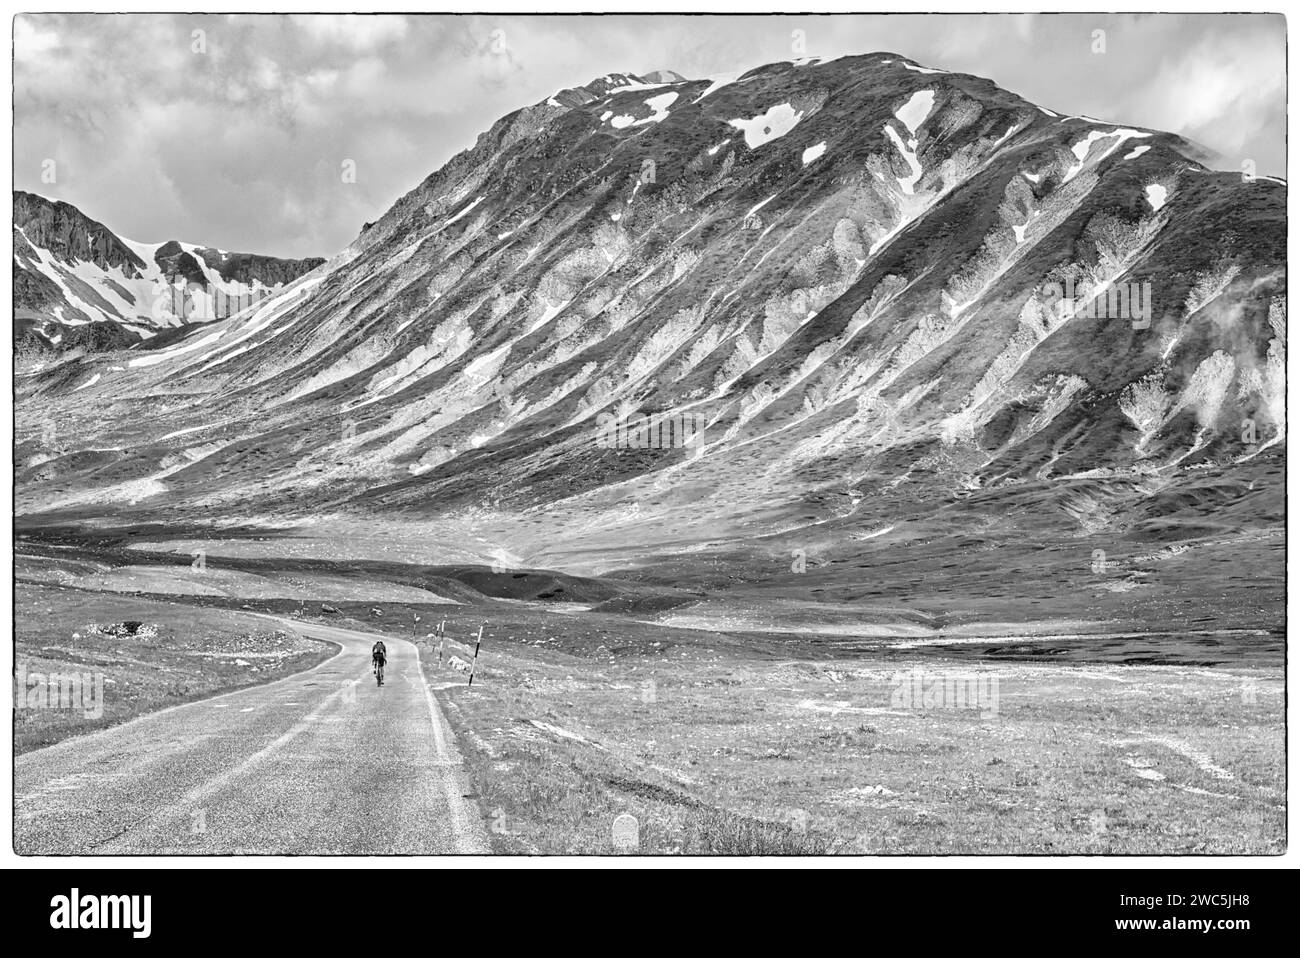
x: 474, y: 663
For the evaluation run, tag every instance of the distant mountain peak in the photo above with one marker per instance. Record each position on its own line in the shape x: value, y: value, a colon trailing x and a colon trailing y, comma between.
x: 663, y: 76
x: 80, y: 285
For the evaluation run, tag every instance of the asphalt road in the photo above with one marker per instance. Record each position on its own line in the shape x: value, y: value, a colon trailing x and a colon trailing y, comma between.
x: 322, y: 762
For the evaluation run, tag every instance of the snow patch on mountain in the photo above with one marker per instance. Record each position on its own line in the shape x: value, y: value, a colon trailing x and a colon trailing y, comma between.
x: 551, y: 312
x: 776, y: 122
x: 161, y: 357
x: 1083, y: 148
x: 914, y: 112
x: 758, y: 206
x: 266, y: 313
x: 659, y: 112
x: 485, y: 366
x: 465, y: 211
x: 814, y: 152
x: 659, y: 104
x: 716, y: 82
x: 908, y: 151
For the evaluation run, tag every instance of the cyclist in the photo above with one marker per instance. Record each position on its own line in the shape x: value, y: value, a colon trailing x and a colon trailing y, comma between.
x: 378, y: 656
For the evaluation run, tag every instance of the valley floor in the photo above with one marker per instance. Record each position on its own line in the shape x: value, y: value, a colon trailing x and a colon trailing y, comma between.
x: 899, y: 741
x: 714, y: 754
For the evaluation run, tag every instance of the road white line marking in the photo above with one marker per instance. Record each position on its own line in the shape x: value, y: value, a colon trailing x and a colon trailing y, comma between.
x: 468, y: 832
x: 196, y: 796
x: 79, y: 741
x: 466, y: 824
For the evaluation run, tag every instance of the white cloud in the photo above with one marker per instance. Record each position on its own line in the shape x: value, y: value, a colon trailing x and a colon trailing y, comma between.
x: 240, y: 147
x: 354, y: 32
x: 1220, y: 92
x: 30, y: 40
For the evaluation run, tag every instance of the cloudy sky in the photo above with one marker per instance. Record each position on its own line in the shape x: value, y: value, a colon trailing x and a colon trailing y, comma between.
x: 235, y: 137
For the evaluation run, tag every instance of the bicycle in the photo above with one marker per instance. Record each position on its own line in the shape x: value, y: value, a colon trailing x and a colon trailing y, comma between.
x: 379, y: 672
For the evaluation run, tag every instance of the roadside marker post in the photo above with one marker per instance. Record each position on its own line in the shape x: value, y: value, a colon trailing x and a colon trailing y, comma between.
x: 474, y: 663
x: 442, y: 640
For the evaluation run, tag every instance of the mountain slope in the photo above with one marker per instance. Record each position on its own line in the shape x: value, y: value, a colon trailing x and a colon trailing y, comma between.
x: 77, y: 285
x: 843, y: 281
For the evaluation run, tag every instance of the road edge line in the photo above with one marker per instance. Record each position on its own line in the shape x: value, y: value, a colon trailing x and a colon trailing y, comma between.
x: 467, y: 817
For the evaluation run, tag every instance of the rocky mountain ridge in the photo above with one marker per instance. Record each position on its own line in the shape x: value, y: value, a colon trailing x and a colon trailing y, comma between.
x: 80, y: 286
x: 864, y: 288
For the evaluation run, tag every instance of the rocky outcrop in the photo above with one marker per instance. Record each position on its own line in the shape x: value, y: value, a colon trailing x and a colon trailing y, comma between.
x: 70, y: 235
x: 250, y: 268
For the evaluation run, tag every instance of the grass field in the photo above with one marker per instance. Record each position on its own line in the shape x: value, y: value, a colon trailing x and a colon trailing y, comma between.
x: 721, y: 754
x: 185, y: 653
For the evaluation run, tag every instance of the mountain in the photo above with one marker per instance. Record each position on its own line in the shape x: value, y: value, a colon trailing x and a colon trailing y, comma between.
x: 885, y: 312
x: 78, y: 285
